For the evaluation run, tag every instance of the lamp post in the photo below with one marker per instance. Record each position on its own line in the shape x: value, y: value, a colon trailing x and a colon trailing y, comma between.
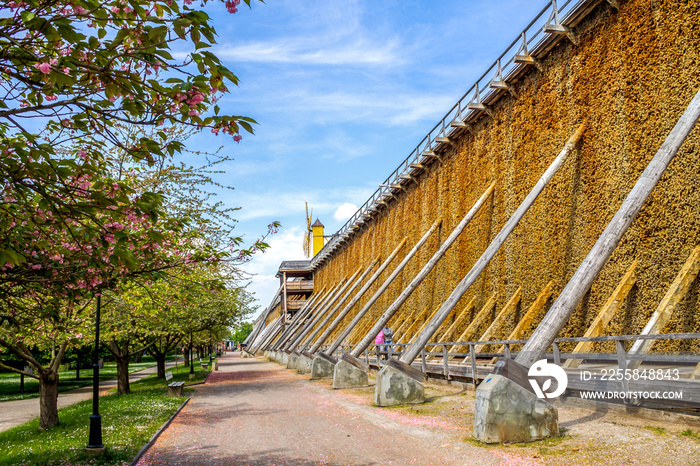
x: 95, y: 440
x: 191, y: 359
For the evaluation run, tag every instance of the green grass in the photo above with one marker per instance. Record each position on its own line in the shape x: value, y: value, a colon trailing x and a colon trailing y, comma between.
x: 10, y: 382
x: 656, y: 430
x: 128, y: 422
x: 690, y: 433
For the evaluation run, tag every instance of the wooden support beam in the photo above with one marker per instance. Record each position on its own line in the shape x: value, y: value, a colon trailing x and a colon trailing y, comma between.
x: 606, y: 314
x: 384, y: 286
x: 601, y: 251
x: 418, y: 279
x: 532, y: 312
x: 664, y: 311
x: 491, y: 250
x: 497, y: 323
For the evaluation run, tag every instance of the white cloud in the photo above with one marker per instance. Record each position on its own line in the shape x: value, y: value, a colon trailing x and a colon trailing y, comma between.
x: 344, y: 211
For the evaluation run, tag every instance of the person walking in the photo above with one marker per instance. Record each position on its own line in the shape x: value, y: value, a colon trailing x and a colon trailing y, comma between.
x: 379, y: 343
x: 388, y: 336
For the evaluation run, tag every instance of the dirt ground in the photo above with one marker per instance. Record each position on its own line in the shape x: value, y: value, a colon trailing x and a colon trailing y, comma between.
x: 588, y: 435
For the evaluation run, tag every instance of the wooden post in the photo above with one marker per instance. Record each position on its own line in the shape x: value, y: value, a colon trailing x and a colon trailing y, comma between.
x: 340, y: 302
x: 322, y: 312
x: 406, y: 321
x: 357, y: 297
x: 284, y: 296
x: 599, y: 254
x: 491, y: 250
x: 383, y: 288
x: 418, y: 279
x: 664, y: 311
x: 303, y: 315
x: 606, y: 314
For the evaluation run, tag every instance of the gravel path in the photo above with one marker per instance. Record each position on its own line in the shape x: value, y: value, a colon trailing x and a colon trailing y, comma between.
x: 254, y: 412
x: 17, y: 412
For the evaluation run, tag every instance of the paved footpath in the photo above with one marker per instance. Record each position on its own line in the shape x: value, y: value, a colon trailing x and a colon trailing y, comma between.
x: 254, y: 412
x: 17, y: 412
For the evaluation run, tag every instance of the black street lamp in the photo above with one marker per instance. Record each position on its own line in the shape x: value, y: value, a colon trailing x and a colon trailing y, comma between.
x: 191, y: 358
x: 95, y: 441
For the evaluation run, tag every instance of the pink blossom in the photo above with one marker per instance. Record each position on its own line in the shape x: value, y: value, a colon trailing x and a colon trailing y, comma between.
x: 237, y: 138
x: 66, y: 51
x: 193, y: 112
x: 80, y: 10
x: 53, y: 61
x: 43, y: 67
x: 51, y: 98
x: 231, y: 5
x: 115, y: 9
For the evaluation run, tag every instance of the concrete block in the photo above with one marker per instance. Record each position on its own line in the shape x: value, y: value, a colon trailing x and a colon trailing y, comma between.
x: 350, y: 372
x: 292, y: 360
x: 399, y: 384
x: 304, y: 364
x: 323, y: 366
x: 284, y: 358
x: 505, y: 412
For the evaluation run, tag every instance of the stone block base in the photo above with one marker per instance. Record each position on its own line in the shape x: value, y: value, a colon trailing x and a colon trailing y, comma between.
x: 399, y: 384
x: 284, y: 358
x: 304, y: 364
x: 505, y: 412
x: 322, y: 367
x: 292, y: 360
x: 350, y: 372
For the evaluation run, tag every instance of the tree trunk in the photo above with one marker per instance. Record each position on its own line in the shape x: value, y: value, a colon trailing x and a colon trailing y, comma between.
x: 160, y: 363
x: 138, y: 356
x: 123, y: 375
x: 187, y: 357
x: 48, y: 399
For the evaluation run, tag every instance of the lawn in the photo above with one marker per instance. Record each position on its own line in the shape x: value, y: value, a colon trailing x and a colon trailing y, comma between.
x: 10, y: 382
x: 128, y: 422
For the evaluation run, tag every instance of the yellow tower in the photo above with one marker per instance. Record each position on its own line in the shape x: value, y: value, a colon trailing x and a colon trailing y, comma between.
x: 317, y: 233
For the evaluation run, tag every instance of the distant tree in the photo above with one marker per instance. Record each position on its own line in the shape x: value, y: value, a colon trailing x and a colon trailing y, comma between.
x: 241, y: 332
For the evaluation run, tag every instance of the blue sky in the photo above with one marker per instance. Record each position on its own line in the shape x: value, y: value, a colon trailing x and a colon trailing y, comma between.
x: 342, y: 91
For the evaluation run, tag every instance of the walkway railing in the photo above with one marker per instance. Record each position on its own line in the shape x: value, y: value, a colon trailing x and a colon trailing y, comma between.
x: 552, y: 24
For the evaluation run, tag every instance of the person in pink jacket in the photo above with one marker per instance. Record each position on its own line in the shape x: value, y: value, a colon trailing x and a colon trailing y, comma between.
x: 379, y: 341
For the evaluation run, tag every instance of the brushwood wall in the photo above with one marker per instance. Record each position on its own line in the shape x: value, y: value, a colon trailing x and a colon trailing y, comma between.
x: 630, y: 78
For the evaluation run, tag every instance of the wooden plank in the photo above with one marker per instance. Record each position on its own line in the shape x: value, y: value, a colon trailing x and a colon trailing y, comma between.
x: 532, y: 312
x: 420, y: 276
x: 583, y: 278
x: 678, y: 289
x: 498, y: 322
x: 301, y: 323
x: 606, y: 314
x: 483, y: 314
x: 491, y: 250
x: 357, y: 296
x: 361, y: 313
x: 406, y: 321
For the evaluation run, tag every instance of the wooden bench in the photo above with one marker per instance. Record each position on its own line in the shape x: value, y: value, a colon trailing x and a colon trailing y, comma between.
x: 205, y: 365
x: 175, y: 388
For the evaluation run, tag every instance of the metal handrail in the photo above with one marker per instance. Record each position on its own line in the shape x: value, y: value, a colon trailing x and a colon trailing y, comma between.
x: 533, y: 33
